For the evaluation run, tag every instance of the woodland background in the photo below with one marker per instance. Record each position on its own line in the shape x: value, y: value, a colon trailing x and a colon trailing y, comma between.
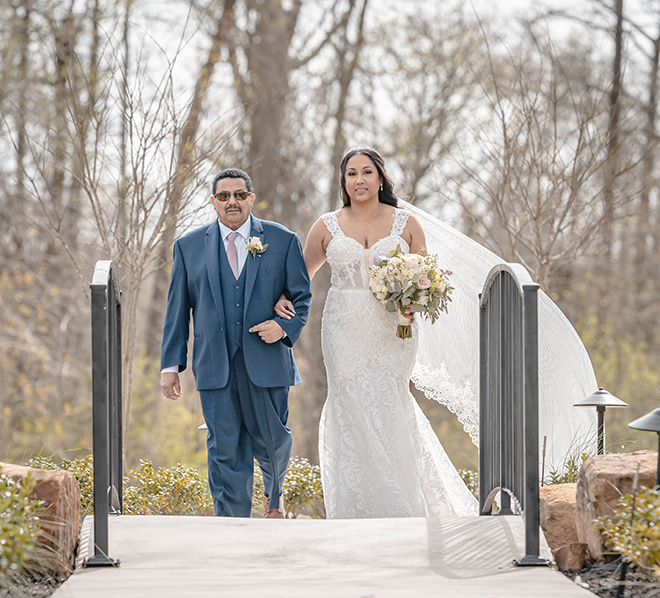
x: 536, y: 136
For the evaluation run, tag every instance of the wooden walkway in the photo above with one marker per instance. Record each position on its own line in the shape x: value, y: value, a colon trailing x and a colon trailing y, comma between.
x: 191, y: 557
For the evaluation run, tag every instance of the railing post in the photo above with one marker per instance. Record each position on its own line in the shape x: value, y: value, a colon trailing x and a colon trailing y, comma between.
x: 508, y: 399
x: 483, y: 380
x: 531, y: 346
x: 106, y: 405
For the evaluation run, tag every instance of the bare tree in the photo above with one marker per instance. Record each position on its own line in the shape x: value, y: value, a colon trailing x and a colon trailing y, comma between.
x: 185, y: 159
x: 124, y: 222
x: 544, y: 174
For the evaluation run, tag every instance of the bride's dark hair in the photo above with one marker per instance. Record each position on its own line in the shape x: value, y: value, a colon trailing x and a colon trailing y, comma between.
x: 386, y: 194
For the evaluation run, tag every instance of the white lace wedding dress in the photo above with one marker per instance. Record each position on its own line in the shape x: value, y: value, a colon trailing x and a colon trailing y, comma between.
x: 379, y: 455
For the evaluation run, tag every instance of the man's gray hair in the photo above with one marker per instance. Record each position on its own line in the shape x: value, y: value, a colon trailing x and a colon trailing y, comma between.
x: 233, y: 173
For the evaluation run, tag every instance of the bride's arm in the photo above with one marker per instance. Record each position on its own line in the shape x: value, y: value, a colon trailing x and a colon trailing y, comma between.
x: 314, y: 255
x: 315, y: 245
x: 414, y: 235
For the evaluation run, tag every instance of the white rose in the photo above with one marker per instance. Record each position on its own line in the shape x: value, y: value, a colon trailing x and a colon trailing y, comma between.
x: 411, y: 260
x: 423, y: 282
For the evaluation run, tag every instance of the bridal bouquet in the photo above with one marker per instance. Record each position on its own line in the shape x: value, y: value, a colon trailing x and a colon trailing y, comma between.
x: 411, y: 281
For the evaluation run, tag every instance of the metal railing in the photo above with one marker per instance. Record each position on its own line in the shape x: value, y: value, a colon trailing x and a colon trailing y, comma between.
x: 508, y: 400
x: 107, y: 406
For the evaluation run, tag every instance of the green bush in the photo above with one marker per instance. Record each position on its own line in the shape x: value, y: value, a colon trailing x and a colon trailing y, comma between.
x: 177, y: 490
x: 568, y: 472
x: 23, y: 556
x: 82, y: 469
x: 182, y: 490
x: 302, y: 489
x: 636, y: 537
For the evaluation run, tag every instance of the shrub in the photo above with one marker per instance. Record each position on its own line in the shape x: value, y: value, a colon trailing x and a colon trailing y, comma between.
x: 82, y: 469
x: 302, y: 489
x: 471, y: 479
x: 568, y: 472
x: 23, y: 556
x: 636, y: 537
x: 181, y: 490
x: 177, y: 490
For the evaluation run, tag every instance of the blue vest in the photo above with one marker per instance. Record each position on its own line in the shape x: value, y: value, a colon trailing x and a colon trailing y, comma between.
x: 233, y: 296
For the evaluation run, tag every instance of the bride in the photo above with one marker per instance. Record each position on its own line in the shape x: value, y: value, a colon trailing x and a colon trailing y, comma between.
x: 379, y: 455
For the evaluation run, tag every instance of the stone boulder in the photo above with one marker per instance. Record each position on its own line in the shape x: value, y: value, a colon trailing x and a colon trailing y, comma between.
x: 571, y: 556
x: 557, y: 514
x: 603, y: 480
x: 61, y: 515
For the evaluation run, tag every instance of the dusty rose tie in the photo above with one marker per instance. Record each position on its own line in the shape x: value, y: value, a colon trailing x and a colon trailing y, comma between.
x: 231, y: 254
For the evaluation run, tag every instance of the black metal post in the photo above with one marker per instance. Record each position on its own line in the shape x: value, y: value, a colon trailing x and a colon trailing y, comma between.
x: 657, y: 471
x: 106, y: 408
x: 601, y: 429
x: 483, y: 380
x: 531, y: 438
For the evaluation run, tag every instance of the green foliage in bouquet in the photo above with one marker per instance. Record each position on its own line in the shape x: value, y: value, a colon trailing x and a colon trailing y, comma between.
x: 411, y: 281
x: 637, y: 536
x: 23, y: 556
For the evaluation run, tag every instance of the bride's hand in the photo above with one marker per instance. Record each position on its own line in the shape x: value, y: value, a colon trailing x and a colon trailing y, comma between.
x: 284, y: 308
x: 410, y: 315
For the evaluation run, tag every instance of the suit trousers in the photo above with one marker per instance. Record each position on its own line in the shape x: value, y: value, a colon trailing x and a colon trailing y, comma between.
x: 245, y: 422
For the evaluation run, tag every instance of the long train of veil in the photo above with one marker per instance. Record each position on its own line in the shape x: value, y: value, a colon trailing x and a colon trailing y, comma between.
x: 447, y: 368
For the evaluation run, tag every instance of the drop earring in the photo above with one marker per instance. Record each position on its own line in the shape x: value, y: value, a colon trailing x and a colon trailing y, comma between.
x: 381, y: 186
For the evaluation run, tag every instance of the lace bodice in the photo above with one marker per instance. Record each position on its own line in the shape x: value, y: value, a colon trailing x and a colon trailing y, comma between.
x: 350, y: 261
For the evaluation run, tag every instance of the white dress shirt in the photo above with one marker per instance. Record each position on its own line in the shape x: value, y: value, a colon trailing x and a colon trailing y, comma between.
x: 240, y: 242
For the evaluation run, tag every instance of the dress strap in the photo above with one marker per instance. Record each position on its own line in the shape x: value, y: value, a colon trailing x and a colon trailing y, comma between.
x: 332, y: 224
x: 400, y: 220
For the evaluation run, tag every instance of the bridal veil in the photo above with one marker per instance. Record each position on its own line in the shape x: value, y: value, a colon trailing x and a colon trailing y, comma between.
x: 447, y: 366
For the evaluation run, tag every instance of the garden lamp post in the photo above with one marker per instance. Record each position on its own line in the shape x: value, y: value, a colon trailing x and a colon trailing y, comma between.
x: 650, y: 423
x: 601, y: 399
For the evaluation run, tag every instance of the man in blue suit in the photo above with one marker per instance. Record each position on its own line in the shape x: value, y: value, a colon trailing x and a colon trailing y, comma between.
x: 229, y: 275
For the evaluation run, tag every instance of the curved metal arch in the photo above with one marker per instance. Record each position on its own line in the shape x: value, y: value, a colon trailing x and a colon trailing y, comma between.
x: 519, y: 275
x: 105, y: 275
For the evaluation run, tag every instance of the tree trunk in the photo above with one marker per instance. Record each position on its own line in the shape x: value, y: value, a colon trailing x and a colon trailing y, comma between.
x: 345, y: 76
x: 184, y: 161
x: 607, y: 232
x: 645, y: 284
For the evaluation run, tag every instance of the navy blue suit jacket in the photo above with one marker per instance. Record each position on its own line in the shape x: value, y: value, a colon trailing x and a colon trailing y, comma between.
x: 195, y: 289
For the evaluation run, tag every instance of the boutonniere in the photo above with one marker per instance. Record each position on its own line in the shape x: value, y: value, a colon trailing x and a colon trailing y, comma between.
x: 255, y: 247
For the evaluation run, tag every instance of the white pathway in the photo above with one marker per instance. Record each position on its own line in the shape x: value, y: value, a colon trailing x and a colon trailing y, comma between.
x: 203, y: 557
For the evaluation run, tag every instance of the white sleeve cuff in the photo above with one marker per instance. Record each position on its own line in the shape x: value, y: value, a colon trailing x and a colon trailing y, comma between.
x: 174, y: 369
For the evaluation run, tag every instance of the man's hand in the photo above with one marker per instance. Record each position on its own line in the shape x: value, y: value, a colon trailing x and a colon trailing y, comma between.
x: 269, y: 331
x: 171, y: 385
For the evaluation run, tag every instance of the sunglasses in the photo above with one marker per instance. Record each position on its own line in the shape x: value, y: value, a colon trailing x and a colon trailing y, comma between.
x: 225, y: 195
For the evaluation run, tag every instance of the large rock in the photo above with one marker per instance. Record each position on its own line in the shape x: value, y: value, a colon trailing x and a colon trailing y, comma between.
x: 60, y: 491
x: 557, y: 514
x: 603, y: 480
x: 571, y: 556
